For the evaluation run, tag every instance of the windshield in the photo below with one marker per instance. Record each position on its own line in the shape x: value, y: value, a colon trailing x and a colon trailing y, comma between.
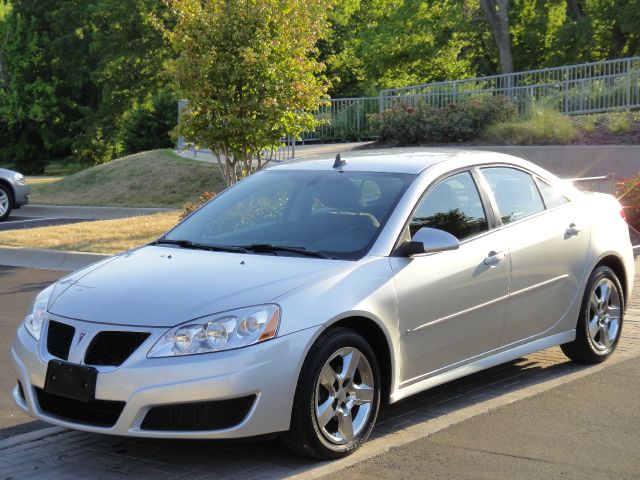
x: 335, y: 214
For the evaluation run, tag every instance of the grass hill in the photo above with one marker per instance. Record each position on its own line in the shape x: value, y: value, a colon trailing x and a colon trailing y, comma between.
x: 157, y: 178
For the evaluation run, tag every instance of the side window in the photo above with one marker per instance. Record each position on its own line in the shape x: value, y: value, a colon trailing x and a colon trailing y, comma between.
x: 452, y: 205
x: 552, y: 198
x: 515, y: 193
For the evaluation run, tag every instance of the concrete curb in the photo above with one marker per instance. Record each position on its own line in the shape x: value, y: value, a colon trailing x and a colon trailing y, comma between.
x: 47, y: 259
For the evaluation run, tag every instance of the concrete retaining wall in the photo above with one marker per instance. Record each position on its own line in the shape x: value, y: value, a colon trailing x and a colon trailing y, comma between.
x: 579, y: 161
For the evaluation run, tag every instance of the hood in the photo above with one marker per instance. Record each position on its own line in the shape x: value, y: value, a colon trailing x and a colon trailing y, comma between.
x: 158, y: 286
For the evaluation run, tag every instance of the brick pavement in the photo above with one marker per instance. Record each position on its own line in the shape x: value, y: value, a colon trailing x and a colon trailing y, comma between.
x: 76, y: 455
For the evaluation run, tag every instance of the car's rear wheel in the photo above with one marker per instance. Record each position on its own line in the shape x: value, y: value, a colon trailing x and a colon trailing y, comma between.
x: 600, y: 322
x: 5, y: 202
x: 337, y: 397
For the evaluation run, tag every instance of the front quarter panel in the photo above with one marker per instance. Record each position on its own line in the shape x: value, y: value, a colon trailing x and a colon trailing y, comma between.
x: 366, y: 290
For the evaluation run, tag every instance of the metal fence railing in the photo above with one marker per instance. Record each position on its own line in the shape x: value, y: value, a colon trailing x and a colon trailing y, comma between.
x: 574, y: 89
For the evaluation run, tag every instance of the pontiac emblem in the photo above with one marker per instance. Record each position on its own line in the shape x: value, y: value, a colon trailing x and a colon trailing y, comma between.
x: 80, y: 337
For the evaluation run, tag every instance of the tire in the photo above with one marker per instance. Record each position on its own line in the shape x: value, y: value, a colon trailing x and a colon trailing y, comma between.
x: 6, y: 201
x: 600, y: 323
x: 342, y: 359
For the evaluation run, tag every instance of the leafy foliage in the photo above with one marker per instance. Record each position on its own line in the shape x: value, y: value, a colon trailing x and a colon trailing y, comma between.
x: 628, y: 194
x: 191, y: 207
x: 249, y: 73
x: 74, y: 69
x: 542, y: 125
x: 459, y: 122
x: 149, y: 126
x: 376, y: 44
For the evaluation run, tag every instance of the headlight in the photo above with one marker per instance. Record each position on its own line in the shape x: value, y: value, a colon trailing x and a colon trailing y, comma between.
x: 37, y: 313
x: 19, y: 178
x: 223, y: 331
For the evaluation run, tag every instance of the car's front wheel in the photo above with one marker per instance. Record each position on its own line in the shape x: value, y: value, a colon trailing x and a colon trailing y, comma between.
x: 337, y: 397
x: 600, y: 322
x: 5, y: 202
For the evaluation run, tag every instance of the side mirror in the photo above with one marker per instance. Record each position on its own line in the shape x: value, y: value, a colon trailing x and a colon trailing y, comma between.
x: 430, y: 240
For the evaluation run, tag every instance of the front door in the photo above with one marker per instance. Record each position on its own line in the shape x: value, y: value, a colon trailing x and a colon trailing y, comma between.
x: 451, y: 304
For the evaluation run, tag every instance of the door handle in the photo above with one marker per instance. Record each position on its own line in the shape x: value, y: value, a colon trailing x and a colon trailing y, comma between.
x: 494, y: 258
x: 573, y: 229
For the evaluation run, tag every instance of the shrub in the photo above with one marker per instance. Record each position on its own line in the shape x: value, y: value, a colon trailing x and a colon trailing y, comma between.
x: 542, y: 125
x: 191, y: 207
x: 619, y: 122
x: 628, y: 193
x: 456, y: 122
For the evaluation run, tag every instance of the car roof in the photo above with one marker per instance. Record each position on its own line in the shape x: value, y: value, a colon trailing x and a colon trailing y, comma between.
x: 399, y: 160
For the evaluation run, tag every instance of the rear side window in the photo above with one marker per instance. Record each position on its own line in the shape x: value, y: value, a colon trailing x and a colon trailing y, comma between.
x: 515, y: 192
x: 452, y: 205
x: 552, y: 198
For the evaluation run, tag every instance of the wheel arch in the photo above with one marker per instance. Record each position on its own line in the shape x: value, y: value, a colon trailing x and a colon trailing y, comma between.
x: 379, y: 340
x: 616, y: 264
x: 12, y: 193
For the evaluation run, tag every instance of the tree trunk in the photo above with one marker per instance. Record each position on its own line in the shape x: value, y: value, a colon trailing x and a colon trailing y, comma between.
x: 497, y: 14
x: 574, y: 10
x: 4, y: 81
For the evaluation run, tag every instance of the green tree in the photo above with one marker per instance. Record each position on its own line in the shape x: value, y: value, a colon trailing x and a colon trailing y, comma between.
x: 375, y: 44
x: 75, y: 69
x: 129, y: 53
x: 249, y: 72
x: 47, y: 69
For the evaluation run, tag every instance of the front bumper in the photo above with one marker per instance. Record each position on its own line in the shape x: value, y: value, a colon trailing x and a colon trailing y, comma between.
x: 21, y: 193
x: 268, y: 370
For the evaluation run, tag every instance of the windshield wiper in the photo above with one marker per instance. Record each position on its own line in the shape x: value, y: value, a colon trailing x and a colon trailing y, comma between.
x: 199, y: 246
x: 268, y: 248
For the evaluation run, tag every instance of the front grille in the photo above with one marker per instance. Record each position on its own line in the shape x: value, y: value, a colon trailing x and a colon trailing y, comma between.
x: 113, y: 348
x: 100, y: 413
x: 213, y: 415
x: 59, y: 339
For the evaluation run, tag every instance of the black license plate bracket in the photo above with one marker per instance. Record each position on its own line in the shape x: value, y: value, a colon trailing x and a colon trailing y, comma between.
x: 69, y: 380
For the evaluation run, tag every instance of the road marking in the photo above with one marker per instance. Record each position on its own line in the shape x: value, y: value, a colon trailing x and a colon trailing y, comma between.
x: 33, y: 220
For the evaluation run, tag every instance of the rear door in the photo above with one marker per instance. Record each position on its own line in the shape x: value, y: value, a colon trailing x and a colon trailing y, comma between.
x: 548, y: 240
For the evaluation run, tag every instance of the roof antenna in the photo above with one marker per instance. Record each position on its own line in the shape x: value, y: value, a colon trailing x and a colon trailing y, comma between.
x: 339, y: 162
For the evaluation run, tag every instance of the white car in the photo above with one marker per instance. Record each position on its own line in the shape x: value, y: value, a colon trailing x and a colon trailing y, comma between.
x: 306, y: 295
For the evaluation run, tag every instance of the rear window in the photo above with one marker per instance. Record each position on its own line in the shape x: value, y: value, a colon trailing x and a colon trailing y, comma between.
x: 515, y: 193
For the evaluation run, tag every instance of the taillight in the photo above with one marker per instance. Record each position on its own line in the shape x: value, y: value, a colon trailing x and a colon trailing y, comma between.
x: 622, y: 214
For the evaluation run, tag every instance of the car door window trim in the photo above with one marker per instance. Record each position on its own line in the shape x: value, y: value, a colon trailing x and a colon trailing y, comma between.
x: 491, y: 226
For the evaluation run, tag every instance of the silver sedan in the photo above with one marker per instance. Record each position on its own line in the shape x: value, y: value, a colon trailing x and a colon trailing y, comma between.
x: 308, y: 294
x: 14, y: 192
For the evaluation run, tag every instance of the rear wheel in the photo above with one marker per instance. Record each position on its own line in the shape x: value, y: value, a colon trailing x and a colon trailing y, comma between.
x: 600, y: 323
x: 5, y: 202
x: 337, y: 397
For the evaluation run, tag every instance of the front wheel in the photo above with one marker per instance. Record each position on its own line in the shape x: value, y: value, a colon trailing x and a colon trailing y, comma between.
x: 337, y: 397
x: 5, y: 202
x: 600, y: 322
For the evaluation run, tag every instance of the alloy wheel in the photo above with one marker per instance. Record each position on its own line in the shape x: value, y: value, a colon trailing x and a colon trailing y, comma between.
x: 604, y: 314
x: 344, y: 395
x: 4, y: 202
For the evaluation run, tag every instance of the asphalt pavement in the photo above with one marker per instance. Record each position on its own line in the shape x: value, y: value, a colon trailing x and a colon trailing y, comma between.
x: 18, y: 287
x: 31, y: 216
x: 585, y: 429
